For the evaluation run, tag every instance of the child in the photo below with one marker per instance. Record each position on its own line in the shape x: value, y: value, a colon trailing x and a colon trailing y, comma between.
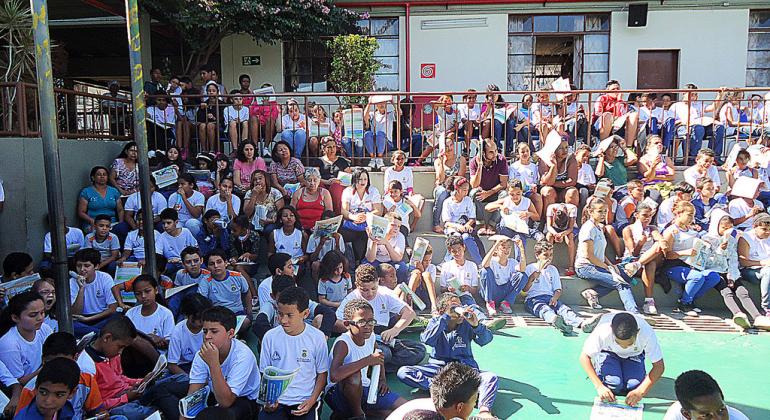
x: 526, y: 171
x: 225, y: 202
x: 389, y: 249
x: 459, y: 218
x: 704, y: 203
x: 469, y: 114
x: 56, y: 384
x: 188, y: 203
x: 515, y: 205
x: 17, y: 265
x: 502, y: 277
x: 609, y: 227
x: 560, y: 227
x: 612, y: 166
x: 295, y: 346
x: 192, y: 271
x: 379, y: 125
x: 105, y: 242
x: 236, y: 119
x: 396, y: 201
x: 45, y: 288
x: 73, y: 239
x: 449, y: 337
x: 173, y: 240
x: 743, y: 210
x: 387, y: 275
x: 23, y: 334
x: 681, y: 192
x: 187, y: 335
x: 226, y: 365
x: 644, y: 251
x: 614, y: 354
x: 351, y: 355
x: 704, y: 167
x: 288, y: 237
x: 423, y: 277
x: 586, y: 178
x: 278, y: 264
x: 206, y: 184
x: 627, y: 205
x: 93, y: 302
x: 334, y: 282
x: 244, y: 249
x: 150, y: 316
x: 454, y: 391
x: 543, y: 289
x: 592, y: 265
x: 318, y: 247
x: 226, y: 288
x: 699, y: 397
x: 398, y: 352
x: 133, y: 248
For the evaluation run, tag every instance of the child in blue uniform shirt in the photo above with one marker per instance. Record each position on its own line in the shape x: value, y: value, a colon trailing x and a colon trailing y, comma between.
x: 55, y: 385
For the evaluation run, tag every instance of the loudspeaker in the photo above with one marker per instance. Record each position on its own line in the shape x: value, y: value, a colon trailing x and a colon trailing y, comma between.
x: 637, y: 15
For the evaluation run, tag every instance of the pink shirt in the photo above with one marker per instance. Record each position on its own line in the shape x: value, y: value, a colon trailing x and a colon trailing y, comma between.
x: 248, y: 168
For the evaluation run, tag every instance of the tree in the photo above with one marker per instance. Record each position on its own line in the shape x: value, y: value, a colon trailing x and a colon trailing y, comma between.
x: 17, y: 59
x: 353, y: 65
x: 204, y: 23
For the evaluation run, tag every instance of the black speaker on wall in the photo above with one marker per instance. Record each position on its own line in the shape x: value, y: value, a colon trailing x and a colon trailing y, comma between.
x: 637, y: 15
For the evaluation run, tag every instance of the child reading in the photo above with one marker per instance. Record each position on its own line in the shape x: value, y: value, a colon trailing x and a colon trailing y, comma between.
x: 226, y: 288
x: 515, y: 205
x: 93, y: 302
x: 704, y: 202
x: 288, y: 236
x: 105, y: 242
x: 459, y: 218
x: 527, y: 172
x: 422, y: 278
x: 681, y: 192
x: 502, y: 276
x: 150, y: 316
x: 396, y: 200
x: 319, y: 246
x: 334, y: 281
x: 187, y: 335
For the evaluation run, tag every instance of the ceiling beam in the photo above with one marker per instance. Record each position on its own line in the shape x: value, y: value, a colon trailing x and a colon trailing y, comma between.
x: 162, y: 30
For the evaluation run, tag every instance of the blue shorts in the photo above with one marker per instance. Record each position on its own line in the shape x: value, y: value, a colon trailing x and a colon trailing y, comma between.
x: 335, y: 399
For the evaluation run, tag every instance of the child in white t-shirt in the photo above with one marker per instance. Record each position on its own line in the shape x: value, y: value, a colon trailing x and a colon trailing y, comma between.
x: 586, y: 178
x: 681, y: 192
x: 318, y: 247
x: 459, y: 218
x: 743, y: 210
x: 527, y: 172
x: 187, y: 335
x: 149, y: 316
x: 173, y: 240
x: 516, y: 211
x: 379, y: 131
x: 236, y: 119
x: 93, y: 302
x: 398, y: 202
x: 422, y: 280
x: 502, y: 277
x: 105, y: 242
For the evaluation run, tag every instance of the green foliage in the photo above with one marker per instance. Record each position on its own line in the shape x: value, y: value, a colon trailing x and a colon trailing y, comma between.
x: 353, y: 65
x: 17, y: 59
x: 204, y: 23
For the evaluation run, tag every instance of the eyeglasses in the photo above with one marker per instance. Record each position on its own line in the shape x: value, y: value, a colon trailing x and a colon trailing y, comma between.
x: 364, y: 323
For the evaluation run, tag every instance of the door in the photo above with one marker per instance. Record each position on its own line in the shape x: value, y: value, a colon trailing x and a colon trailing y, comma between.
x: 657, y: 69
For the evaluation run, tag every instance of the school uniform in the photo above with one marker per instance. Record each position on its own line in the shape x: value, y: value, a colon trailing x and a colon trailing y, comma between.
x: 759, y: 249
x: 540, y: 293
x: 97, y: 296
x: 461, y: 212
x: 74, y: 240
x: 31, y: 412
x: 215, y: 203
x: 176, y: 202
x: 20, y: 356
x: 334, y: 291
x: 160, y: 322
x: 86, y: 399
x: 226, y: 292
x: 171, y: 247
x: 135, y: 243
x: 685, y: 114
x: 502, y: 283
x: 739, y: 208
x: 134, y: 203
x: 694, y: 283
x: 183, y: 345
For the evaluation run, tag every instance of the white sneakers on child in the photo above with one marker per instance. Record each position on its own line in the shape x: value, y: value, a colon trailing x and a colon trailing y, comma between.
x: 762, y: 322
x: 649, y: 307
x: 592, y: 298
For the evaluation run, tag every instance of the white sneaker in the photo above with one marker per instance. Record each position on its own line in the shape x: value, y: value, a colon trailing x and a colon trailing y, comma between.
x: 372, y: 163
x: 696, y: 309
x: 380, y: 163
x: 649, y: 307
x: 592, y: 298
x: 762, y: 322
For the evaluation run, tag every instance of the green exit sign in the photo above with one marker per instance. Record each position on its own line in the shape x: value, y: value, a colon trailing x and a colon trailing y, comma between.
x: 251, y: 60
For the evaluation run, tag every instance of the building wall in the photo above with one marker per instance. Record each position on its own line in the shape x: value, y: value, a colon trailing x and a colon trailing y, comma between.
x: 234, y: 47
x: 712, y: 45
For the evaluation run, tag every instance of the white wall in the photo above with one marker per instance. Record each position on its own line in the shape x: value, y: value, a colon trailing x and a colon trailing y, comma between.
x: 712, y: 45
x: 271, y: 71
x: 465, y: 58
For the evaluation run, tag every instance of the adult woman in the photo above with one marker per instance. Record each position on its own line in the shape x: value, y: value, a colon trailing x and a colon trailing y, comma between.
x: 310, y: 200
x: 655, y: 168
x: 358, y: 200
x: 99, y: 198
x: 293, y: 128
x: 285, y: 168
x: 558, y: 177
x: 124, y: 172
x: 754, y: 257
x: 330, y: 165
x: 188, y: 202
x: 245, y: 164
x: 263, y: 197
x: 447, y: 164
x: 489, y: 176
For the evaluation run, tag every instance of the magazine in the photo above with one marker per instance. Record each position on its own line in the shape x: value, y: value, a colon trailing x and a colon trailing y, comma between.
x: 409, y: 292
x: 328, y: 227
x: 154, y: 416
x: 345, y: 178
x: 602, y: 190
x: 274, y: 382
x: 200, y: 175
x: 317, y: 129
x: 123, y: 273
x: 239, y: 322
x: 514, y: 222
x: 165, y: 176
x: 353, y: 123
x: 20, y: 285
x: 759, y: 155
x: 419, y: 250
x: 191, y: 405
x: 291, y: 188
x: 702, y: 254
x: 160, y: 366
x: 174, y: 290
x: 404, y: 210
x: 260, y: 213
x: 650, y: 202
x: 378, y: 225
x: 456, y: 284
x: 561, y: 85
x: 615, y: 411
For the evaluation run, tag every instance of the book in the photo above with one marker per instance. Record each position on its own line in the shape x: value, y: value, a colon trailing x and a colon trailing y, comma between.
x: 174, y: 290
x: 378, y: 99
x: 160, y: 366
x: 20, y: 285
x: 514, y: 222
x: 419, y: 250
x: 650, y: 202
x: 317, y: 129
x: 404, y: 210
x: 165, y: 176
x: 456, y: 284
x: 560, y: 86
x: 378, y: 225
x: 345, y: 178
x: 615, y: 411
x: 745, y: 187
x: 84, y: 341
x: 4, y: 400
x: 702, y: 254
x: 328, y: 227
x: 123, y: 273
x: 154, y: 416
x: 409, y: 292
x: 603, y: 145
x: 549, y: 147
x: 353, y: 123
x: 266, y: 91
x: 239, y: 322
x: 194, y: 403
x: 291, y: 188
x: 273, y: 384
x: 759, y: 155
x: 260, y: 213
x: 602, y: 190
x: 733, y: 156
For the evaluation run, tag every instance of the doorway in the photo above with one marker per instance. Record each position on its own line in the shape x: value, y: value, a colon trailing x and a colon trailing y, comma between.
x: 657, y: 69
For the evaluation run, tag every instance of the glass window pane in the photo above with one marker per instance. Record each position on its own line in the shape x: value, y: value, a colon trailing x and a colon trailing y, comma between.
x: 597, y: 23
x: 758, y: 60
x: 520, y: 44
x: 759, y: 40
x: 546, y: 23
x: 363, y: 26
x: 595, y: 62
x: 388, y: 26
x: 759, y: 19
x: 757, y: 78
x: 304, y: 66
x: 519, y: 63
x: 596, y: 44
x: 304, y: 49
x: 387, y: 47
x: 520, y: 81
x: 389, y: 65
x: 386, y: 82
x: 569, y: 23
x: 595, y: 80
x: 519, y: 24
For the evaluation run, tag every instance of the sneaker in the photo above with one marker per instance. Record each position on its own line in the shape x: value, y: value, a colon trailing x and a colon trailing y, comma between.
x: 491, y: 311
x: 494, y: 324
x: 741, y: 320
x: 265, y: 152
x: 380, y: 163
x: 505, y: 307
x: 649, y: 307
x: 592, y: 298
x: 570, y: 272
x: 632, y: 268
x: 372, y: 163
x: 762, y: 322
x: 686, y: 309
x: 561, y: 325
x: 588, y: 326
x: 696, y: 309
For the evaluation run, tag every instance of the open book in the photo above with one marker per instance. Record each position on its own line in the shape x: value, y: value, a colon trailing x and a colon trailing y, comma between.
x: 174, y: 290
x: 514, y: 222
x: 702, y: 254
x: 548, y: 149
x: 274, y: 383
x: 328, y: 227
x: 419, y: 250
x: 20, y: 285
x: 194, y: 403
x: 615, y: 411
x: 165, y: 176
x: 85, y: 341
x: 378, y: 225
x: 345, y: 178
x: 123, y: 273
x: 160, y: 366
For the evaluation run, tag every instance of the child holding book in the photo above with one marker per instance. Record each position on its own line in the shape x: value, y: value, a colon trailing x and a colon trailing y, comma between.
x: 704, y: 202
x: 334, y: 282
x: 105, y: 242
x: 422, y: 278
x: 527, y: 172
x: 226, y: 288
x: 187, y: 335
x: 502, y: 276
x: 397, y: 201
x: 515, y: 205
x: 389, y: 248
x: 288, y: 237
x: 319, y: 245
x: 644, y: 251
x: 459, y: 218
x: 681, y: 192
x: 745, y: 206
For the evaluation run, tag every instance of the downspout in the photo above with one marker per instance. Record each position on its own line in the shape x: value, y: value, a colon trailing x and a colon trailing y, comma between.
x: 408, y: 49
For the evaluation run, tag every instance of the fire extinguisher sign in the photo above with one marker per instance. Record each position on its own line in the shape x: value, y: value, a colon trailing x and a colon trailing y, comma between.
x: 427, y: 71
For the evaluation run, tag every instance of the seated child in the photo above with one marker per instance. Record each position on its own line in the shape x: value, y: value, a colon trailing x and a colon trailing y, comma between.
x: 45, y: 288
x: 351, y: 355
x: 191, y: 273
x: 226, y: 288
x: 613, y: 356
x: 699, y: 397
x: 133, y: 247
x: 502, y: 276
x: 644, y: 251
x: 515, y: 205
x: 288, y: 237
x: 389, y: 249
x: 740, y: 169
x: 704, y: 167
x: 23, y: 336
x: 173, y: 240
x: 398, y: 201
x: 56, y: 384
x: 449, y: 337
x: 318, y: 247
x: 244, y: 249
x: 334, y: 280
x: 681, y: 192
x: 560, y: 227
x: 704, y: 203
x: 387, y: 275
x: 459, y: 218
x: 278, y: 264
x: 149, y: 315
x: 527, y: 172
x: 187, y: 335
x: 609, y: 227
x: 422, y: 278
x: 543, y: 289
x: 93, y: 303
x: 754, y: 257
x: 743, y: 210
x: 226, y: 365
x: 73, y: 239
x: 627, y: 205
x: 105, y: 242
x: 301, y: 348
x: 586, y: 178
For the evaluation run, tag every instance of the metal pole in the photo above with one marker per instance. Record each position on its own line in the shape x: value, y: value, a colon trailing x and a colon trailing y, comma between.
x: 51, y: 160
x: 140, y: 135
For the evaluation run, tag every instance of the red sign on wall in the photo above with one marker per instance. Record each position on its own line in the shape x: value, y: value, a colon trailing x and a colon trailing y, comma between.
x: 427, y: 71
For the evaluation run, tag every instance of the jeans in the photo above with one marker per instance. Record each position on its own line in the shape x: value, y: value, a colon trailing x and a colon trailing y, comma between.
x: 699, y: 132
x: 666, y: 131
x: 349, y: 144
x: 165, y: 394
x: 491, y: 291
x: 510, y: 135
x: 605, y: 283
x: 296, y: 139
x: 420, y: 377
x: 473, y: 245
x: 369, y: 142
x: 620, y: 375
x: 401, y: 353
x: 483, y: 216
x: 696, y: 283
x: 411, y: 146
x: 761, y: 276
x: 440, y: 194
x: 539, y: 306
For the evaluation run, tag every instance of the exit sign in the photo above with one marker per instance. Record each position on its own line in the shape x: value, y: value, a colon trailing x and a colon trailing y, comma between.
x: 251, y: 60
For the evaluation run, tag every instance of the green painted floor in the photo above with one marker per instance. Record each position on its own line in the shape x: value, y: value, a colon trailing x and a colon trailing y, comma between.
x: 540, y: 376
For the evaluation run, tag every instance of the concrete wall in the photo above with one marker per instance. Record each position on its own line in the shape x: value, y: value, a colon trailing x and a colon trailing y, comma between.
x: 22, y: 220
x: 712, y: 45
x: 270, y: 71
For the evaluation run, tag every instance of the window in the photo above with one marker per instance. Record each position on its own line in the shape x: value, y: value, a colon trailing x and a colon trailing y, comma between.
x: 758, y: 56
x: 306, y: 66
x: 542, y: 48
x: 385, y: 31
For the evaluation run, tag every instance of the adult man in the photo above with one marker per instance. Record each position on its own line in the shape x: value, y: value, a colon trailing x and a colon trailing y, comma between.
x: 489, y: 176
